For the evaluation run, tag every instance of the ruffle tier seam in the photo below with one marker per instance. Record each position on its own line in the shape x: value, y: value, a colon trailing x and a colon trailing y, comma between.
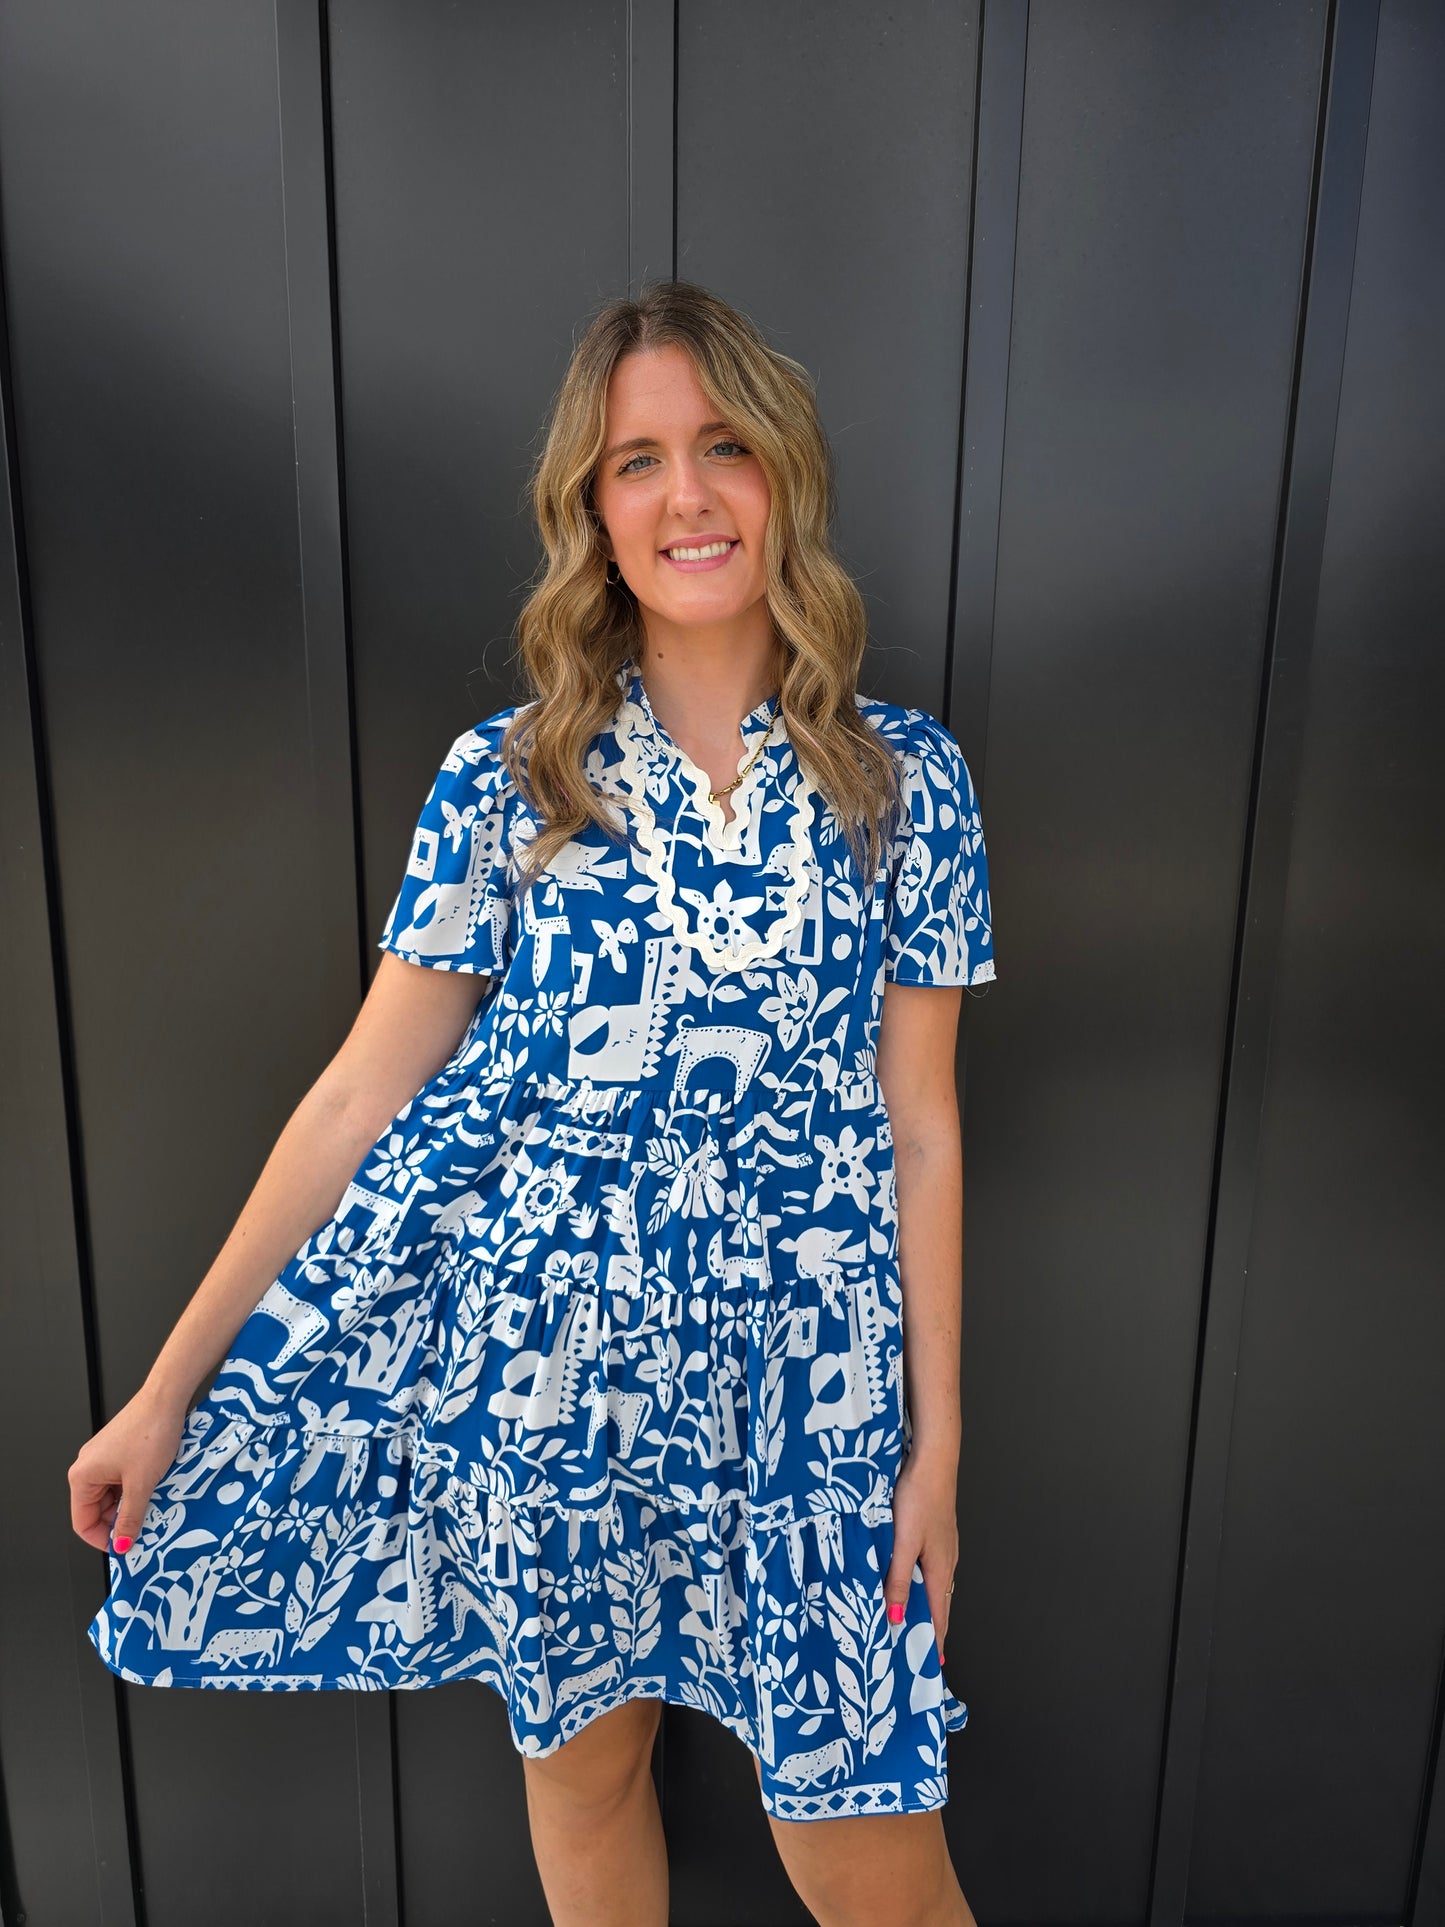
x: 760, y: 1515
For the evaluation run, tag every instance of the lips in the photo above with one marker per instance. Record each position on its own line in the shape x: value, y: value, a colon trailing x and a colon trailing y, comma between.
x: 704, y: 565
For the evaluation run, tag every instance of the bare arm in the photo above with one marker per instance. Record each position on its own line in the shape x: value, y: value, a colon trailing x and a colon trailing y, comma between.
x: 917, y: 1039
x: 408, y: 1026
x: 917, y: 1036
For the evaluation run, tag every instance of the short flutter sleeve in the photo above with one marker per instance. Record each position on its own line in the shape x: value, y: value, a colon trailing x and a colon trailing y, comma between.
x: 939, y: 926
x: 454, y: 906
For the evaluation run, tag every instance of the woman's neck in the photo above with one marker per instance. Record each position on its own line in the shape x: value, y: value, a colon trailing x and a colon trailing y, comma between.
x: 706, y: 698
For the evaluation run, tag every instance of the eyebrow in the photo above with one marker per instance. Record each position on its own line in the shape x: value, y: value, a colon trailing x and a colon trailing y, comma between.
x: 651, y: 441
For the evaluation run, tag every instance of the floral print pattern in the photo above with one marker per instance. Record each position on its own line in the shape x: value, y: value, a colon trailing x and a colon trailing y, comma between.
x: 592, y: 1386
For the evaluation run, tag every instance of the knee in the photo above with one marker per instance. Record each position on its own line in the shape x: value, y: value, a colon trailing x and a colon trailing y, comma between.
x: 886, y: 1870
x: 601, y: 1765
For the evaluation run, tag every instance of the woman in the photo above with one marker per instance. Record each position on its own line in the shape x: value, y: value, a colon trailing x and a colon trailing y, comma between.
x: 590, y: 1383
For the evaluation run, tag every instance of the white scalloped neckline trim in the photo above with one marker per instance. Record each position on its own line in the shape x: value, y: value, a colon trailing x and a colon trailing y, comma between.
x: 635, y: 725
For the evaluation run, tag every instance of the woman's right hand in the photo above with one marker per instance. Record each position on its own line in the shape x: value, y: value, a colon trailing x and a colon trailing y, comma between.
x: 115, y: 1472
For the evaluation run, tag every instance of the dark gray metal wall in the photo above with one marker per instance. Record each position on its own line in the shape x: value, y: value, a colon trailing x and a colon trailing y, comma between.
x: 1126, y: 322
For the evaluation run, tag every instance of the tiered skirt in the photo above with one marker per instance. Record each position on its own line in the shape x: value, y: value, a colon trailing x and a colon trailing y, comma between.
x: 587, y: 1392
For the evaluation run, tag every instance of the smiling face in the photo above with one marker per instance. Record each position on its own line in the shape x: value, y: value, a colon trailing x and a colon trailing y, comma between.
x: 673, y: 475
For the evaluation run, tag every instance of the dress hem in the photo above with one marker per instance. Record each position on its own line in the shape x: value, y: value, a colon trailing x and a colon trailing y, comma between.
x: 192, y: 1681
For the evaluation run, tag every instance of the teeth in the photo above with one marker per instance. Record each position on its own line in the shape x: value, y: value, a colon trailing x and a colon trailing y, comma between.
x: 699, y: 555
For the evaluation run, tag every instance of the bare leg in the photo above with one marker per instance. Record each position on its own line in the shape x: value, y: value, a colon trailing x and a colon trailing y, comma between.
x: 596, y: 1829
x: 876, y: 1870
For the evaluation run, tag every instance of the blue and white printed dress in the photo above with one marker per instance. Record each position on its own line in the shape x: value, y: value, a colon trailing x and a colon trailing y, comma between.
x: 592, y: 1387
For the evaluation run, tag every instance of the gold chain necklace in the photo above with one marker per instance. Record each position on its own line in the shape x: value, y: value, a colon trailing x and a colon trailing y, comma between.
x: 713, y: 795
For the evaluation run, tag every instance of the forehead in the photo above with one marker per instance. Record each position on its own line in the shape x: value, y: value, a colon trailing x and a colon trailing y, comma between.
x: 655, y: 386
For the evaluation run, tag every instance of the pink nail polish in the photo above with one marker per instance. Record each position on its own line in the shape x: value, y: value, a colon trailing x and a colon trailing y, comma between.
x: 895, y: 1612
x: 124, y: 1544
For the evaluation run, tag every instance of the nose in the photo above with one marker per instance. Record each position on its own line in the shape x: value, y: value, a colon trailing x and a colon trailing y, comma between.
x: 692, y: 489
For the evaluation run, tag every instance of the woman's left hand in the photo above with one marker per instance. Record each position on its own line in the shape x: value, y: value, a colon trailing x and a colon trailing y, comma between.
x: 925, y: 1533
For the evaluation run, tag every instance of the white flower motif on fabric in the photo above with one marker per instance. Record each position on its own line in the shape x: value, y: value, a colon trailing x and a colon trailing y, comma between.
x: 720, y: 937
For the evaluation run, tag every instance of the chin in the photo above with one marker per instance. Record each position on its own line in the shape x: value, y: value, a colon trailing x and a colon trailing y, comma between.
x: 703, y: 617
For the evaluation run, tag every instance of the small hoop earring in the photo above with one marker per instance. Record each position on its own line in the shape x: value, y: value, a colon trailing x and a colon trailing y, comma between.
x: 608, y: 576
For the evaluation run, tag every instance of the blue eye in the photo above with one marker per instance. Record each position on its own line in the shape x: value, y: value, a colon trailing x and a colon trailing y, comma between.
x: 729, y: 443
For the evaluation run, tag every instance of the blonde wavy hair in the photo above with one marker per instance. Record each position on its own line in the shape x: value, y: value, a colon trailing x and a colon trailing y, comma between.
x: 576, y: 629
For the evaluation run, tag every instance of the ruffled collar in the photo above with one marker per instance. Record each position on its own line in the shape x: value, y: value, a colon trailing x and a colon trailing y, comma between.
x: 774, y: 842
x: 651, y: 748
